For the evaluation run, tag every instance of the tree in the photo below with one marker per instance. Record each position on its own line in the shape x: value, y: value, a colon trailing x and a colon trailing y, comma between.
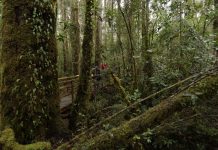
x: 83, y: 93
x: 75, y: 36
x: 128, y: 21
x: 215, y: 27
x: 98, y: 33
x: 29, y: 94
x: 147, y: 58
x: 65, y: 41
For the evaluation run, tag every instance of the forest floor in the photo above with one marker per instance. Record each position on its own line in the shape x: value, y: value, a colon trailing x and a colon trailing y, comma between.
x: 176, y: 128
x: 183, y: 116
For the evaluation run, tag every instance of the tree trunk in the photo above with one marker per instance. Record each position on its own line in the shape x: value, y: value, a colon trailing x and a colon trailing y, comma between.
x: 98, y: 33
x: 119, y: 42
x: 29, y: 94
x: 0, y: 57
x: 127, y: 21
x: 215, y: 27
x: 75, y: 36
x: 147, y: 58
x: 64, y: 42
x: 84, y: 93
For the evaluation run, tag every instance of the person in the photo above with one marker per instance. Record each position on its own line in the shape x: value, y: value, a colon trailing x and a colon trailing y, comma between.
x: 103, y: 66
x: 96, y: 76
x: 96, y: 73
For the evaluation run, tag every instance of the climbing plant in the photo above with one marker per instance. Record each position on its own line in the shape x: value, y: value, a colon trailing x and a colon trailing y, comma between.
x: 29, y: 98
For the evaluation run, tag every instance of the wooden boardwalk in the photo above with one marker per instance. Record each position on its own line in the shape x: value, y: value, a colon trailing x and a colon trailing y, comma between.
x: 67, y: 86
x: 65, y: 101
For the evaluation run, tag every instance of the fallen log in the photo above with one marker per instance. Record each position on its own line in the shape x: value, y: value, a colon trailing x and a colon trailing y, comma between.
x: 154, y: 116
x: 8, y: 142
x: 194, y: 78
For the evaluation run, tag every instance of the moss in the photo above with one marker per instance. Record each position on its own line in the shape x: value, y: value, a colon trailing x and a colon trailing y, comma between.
x: 206, y: 90
x: 185, y: 131
x: 8, y: 142
x: 121, y: 89
x: 29, y: 94
x: 84, y: 89
x: 63, y: 147
x: 194, y: 127
x: 75, y: 37
x: 215, y: 28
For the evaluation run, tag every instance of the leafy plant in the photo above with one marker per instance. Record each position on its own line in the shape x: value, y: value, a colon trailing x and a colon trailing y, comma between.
x: 135, y: 96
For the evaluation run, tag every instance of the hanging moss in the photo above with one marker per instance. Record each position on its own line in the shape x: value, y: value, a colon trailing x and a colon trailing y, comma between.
x: 29, y: 94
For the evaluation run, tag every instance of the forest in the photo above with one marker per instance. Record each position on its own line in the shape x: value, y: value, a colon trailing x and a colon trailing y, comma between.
x: 108, y: 74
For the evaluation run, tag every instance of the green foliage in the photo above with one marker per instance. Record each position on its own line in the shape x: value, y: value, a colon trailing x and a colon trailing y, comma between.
x: 107, y: 126
x: 8, y: 142
x: 192, y: 128
x: 148, y: 135
x: 135, y: 96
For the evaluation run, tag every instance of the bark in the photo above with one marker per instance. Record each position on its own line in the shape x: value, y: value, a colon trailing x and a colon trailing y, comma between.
x: 83, y: 93
x: 127, y: 21
x: 0, y: 56
x: 215, y: 28
x: 29, y: 94
x: 153, y: 117
x: 75, y: 36
x: 147, y: 56
x: 64, y: 42
x: 98, y: 33
x: 105, y: 27
x: 120, y: 43
x: 110, y: 6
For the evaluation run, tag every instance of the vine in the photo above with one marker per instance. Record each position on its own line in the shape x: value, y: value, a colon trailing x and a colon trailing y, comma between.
x: 33, y: 105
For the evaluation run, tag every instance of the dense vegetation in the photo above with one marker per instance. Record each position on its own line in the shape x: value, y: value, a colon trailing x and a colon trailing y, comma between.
x: 108, y: 74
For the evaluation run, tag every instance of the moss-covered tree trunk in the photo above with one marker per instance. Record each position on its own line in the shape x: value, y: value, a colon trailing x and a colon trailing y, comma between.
x: 75, y: 36
x: 98, y: 33
x: 128, y: 19
x: 147, y: 58
x: 64, y: 42
x: 120, y: 43
x: 215, y: 27
x: 29, y: 95
x: 0, y: 55
x: 84, y: 93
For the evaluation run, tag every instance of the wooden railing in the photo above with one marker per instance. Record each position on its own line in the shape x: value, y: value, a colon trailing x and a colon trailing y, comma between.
x: 68, y: 85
